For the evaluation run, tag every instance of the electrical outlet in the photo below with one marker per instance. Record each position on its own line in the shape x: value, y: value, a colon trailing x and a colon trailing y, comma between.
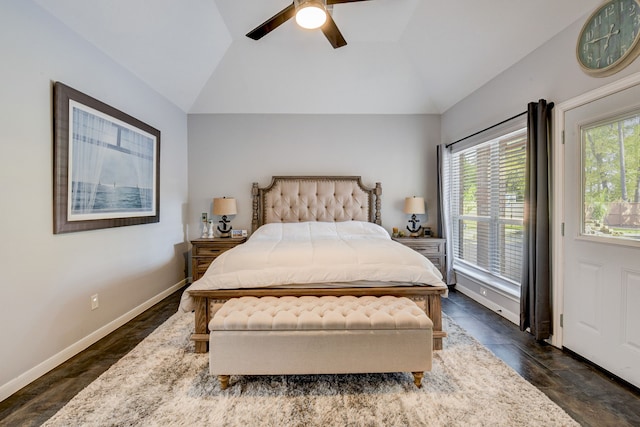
x: 94, y: 302
x: 204, y: 217
x: 483, y: 292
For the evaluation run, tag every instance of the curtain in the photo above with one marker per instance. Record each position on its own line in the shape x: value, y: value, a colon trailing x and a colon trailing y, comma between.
x: 444, y: 210
x: 140, y: 155
x: 535, y: 300
x: 88, y: 155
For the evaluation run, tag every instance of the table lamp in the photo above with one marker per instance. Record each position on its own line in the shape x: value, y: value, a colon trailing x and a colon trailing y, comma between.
x: 414, y: 206
x: 223, y: 206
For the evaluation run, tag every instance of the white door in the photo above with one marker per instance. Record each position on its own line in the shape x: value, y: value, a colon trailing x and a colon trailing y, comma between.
x: 601, y: 313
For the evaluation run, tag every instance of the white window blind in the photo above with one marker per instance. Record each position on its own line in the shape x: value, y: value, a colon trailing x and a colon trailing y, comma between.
x: 487, y: 204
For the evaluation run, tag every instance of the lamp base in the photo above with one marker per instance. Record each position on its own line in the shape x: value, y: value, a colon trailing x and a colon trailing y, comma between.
x: 415, y: 229
x: 225, y: 232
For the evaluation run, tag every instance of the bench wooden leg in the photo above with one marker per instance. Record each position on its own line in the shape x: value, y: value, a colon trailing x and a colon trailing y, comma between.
x: 417, y: 378
x: 201, y: 334
x: 433, y: 309
x: 224, y: 381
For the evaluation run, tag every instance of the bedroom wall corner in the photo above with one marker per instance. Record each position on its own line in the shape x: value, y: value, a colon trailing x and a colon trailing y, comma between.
x: 47, y: 279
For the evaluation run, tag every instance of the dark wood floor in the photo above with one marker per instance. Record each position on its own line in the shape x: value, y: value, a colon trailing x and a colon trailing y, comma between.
x: 40, y: 400
x: 587, y: 394
x: 584, y: 392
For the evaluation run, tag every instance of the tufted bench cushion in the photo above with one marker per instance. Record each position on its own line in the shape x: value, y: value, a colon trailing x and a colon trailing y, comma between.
x: 319, y: 313
x: 316, y: 335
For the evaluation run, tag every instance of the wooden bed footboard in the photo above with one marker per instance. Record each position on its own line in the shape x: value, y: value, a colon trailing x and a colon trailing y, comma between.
x: 427, y: 297
x: 302, y: 198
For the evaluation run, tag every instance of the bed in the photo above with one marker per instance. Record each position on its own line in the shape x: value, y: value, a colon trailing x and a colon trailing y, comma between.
x: 323, y: 207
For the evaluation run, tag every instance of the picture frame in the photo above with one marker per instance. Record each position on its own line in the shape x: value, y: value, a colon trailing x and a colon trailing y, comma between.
x: 236, y: 233
x: 106, y: 165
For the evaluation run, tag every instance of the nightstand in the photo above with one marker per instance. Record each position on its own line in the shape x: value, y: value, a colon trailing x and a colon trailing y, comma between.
x: 430, y: 247
x: 205, y: 250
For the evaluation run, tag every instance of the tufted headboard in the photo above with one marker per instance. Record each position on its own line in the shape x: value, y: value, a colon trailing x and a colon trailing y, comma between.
x: 315, y: 198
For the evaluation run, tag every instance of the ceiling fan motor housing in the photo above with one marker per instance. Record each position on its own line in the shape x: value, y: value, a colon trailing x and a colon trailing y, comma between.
x: 310, y: 14
x: 304, y: 3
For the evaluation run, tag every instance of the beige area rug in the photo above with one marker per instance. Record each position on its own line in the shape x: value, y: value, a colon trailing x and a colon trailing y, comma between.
x: 162, y: 382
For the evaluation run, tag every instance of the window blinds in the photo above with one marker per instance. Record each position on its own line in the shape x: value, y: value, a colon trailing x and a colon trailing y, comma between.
x: 487, y: 204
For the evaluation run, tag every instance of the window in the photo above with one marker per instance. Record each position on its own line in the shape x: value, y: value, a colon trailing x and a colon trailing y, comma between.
x: 487, y: 207
x: 611, y: 178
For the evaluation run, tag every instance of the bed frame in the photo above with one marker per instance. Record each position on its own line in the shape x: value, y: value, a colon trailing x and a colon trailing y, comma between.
x: 315, y: 198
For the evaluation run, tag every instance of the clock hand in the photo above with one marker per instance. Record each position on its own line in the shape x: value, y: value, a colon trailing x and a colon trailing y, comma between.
x: 606, y: 36
x: 611, y: 32
x: 597, y: 40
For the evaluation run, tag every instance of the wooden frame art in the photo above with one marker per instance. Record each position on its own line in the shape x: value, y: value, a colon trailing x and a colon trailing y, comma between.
x: 106, y: 165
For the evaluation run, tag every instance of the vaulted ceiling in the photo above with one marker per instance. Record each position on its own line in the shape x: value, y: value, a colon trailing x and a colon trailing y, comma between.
x: 402, y: 57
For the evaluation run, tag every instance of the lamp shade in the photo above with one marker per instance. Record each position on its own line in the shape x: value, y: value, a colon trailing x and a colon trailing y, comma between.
x: 414, y: 205
x: 310, y: 14
x: 224, y: 206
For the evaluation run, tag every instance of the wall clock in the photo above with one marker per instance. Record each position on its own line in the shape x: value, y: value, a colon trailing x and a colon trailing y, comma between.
x: 610, y: 38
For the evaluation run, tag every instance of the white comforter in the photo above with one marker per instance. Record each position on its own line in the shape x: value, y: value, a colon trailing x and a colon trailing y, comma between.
x: 316, y: 253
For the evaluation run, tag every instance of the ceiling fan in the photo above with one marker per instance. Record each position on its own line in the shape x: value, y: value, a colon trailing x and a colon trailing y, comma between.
x: 309, y: 14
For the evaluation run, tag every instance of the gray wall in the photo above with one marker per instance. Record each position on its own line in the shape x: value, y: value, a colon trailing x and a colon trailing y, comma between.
x: 46, y: 279
x: 229, y: 152
x: 550, y: 72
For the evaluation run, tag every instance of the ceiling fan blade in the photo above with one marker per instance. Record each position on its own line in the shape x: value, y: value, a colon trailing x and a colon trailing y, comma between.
x: 343, y: 1
x: 272, y: 23
x: 332, y: 33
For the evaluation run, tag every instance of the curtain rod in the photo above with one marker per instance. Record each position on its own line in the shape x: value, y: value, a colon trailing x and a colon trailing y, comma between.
x: 486, y: 129
x: 549, y: 106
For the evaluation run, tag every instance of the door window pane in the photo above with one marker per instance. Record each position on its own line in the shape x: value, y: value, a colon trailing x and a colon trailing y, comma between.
x: 611, y: 177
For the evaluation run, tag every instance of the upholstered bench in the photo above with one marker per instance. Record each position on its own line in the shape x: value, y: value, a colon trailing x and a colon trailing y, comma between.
x: 319, y: 335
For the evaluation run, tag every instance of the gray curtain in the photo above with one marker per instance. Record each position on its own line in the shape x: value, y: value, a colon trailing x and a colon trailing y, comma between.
x: 444, y: 211
x: 535, y: 298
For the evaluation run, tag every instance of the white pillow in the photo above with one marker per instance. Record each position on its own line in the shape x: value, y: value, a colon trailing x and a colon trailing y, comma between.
x: 319, y: 230
x: 361, y: 229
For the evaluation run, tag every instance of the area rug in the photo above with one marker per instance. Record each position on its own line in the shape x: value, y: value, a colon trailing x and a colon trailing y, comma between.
x: 162, y: 382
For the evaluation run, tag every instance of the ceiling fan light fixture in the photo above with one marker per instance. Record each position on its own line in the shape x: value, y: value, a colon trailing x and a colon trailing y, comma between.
x: 310, y: 14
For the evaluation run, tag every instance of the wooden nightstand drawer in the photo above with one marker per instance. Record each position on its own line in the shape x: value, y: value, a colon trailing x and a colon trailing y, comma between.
x: 427, y: 248
x: 208, y: 250
x: 200, y: 266
x: 432, y: 248
x: 438, y: 261
x: 204, y: 251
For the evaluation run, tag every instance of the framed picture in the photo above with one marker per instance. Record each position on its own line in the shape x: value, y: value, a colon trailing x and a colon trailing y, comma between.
x: 106, y: 165
x: 236, y: 233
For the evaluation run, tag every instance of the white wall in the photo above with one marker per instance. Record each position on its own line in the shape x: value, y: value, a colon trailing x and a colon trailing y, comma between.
x: 550, y: 72
x: 227, y: 153
x: 46, y: 280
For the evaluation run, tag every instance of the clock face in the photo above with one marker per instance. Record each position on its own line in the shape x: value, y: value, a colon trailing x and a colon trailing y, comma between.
x: 609, y: 39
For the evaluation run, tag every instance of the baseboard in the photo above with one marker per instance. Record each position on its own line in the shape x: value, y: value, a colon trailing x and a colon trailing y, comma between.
x: 507, y: 314
x: 36, y: 372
